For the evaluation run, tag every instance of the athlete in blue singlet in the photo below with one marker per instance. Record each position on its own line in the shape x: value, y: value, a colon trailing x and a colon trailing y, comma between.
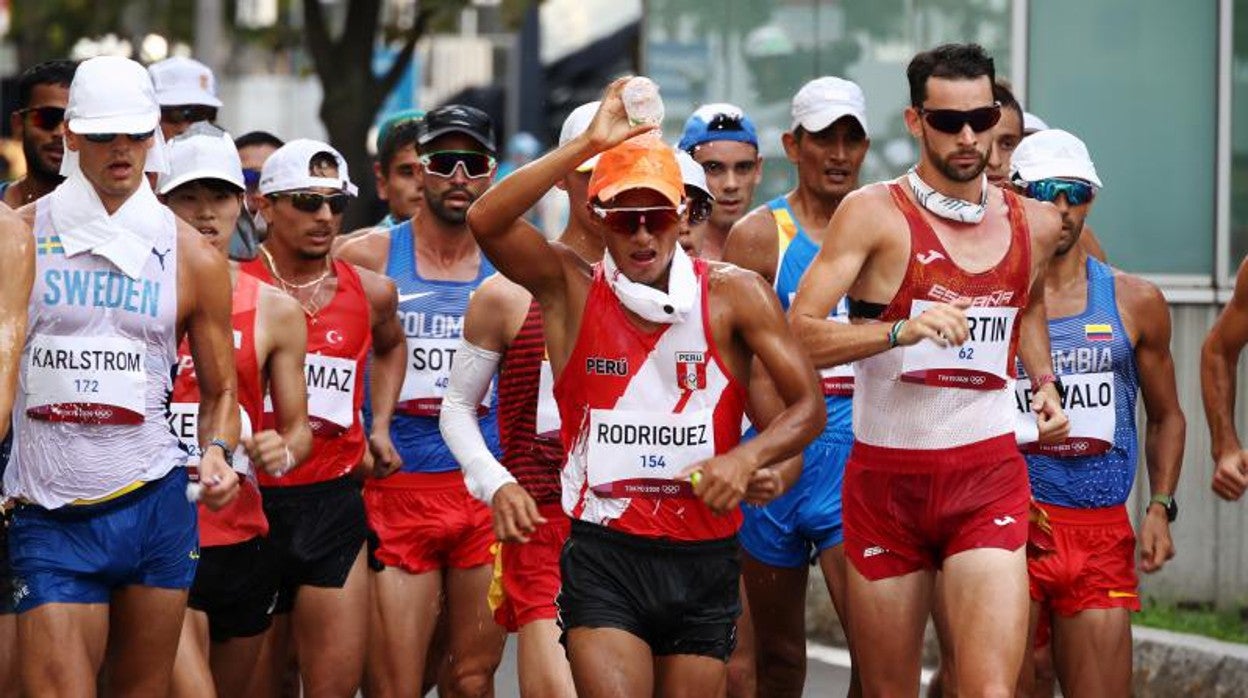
x: 434, y: 538
x: 1110, y: 335
x: 827, y: 144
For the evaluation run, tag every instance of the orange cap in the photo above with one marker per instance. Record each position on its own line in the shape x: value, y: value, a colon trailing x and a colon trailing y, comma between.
x: 638, y: 163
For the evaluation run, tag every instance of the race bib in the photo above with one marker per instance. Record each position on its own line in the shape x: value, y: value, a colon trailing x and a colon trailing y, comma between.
x: 86, y: 380
x: 639, y: 454
x: 428, y: 375
x: 981, y: 363
x: 1089, y: 403
x: 331, y: 393
x: 548, y: 421
x: 184, y: 421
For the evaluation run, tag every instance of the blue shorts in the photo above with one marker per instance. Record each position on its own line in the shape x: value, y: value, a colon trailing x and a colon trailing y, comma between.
x: 797, y: 526
x: 80, y: 554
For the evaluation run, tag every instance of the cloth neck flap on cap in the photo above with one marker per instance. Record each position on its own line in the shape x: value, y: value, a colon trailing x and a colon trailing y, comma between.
x: 949, y: 207
x: 124, y: 238
x: 650, y: 303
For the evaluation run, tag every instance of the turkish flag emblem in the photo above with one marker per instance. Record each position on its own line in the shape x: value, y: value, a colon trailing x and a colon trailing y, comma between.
x: 691, y: 370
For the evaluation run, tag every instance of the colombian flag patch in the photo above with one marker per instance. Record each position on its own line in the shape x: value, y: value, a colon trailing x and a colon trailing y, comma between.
x: 1099, y: 333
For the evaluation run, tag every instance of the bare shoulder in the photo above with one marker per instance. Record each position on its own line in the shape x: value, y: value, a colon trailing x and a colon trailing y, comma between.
x: 499, y: 293
x: 367, y: 248
x: 754, y: 226
x: 738, y: 285
x: 1044, y: 221
x: 865, y: 209
x: 1140, y: 297
x: 278, y: 309
x: 27, y: 214
x: 380, y: 290
x: 17, y: 229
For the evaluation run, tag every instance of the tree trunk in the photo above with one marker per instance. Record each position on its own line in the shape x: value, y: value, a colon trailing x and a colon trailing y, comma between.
x: 348, y: 124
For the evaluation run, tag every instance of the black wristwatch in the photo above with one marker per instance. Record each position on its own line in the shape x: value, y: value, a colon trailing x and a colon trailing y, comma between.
x: 1167, y: 501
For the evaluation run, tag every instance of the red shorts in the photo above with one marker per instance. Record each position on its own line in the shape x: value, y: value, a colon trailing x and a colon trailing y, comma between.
x: 1092, y: 564
x: 526, y: 575
x: 908, y: 510
x: 428, y: 521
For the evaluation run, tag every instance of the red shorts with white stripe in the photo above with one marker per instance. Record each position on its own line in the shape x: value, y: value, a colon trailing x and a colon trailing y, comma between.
x: 428, y: 521
x: 526, y: 575
x: 1092, y: 564
x: 907, y: 510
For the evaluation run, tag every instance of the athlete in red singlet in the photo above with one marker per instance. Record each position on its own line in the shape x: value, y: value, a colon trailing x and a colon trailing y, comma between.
x: 232, y: 596
x: 945, y: 279
x: 315, y: 511
x: 650, y: 353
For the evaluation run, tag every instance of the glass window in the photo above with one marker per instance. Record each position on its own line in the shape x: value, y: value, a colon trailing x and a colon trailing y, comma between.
x: 1239, y: 137
x: 756, y: 55
x: 1137, y: 81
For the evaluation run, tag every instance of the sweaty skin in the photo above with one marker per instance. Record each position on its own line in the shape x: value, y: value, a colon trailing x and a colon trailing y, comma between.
x: 745, y: 320
x: 1218, y: 360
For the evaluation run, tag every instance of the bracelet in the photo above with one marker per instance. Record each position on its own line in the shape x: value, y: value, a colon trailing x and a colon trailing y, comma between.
x: 1040, y: 381
x: 894, y: 332
x: 225, y: 447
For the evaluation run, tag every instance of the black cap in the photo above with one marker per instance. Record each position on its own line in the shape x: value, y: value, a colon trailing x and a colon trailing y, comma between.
x: 458, y: 118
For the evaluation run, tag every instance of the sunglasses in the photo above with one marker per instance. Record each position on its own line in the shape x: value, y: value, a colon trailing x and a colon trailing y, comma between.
x: 251, y: 177
x: 45, y: 118
x: 443, y: 163
x: 311, y: 202
x: 1077, y: 193
x: 626, y: 221
x: 699, y: 210
x: 188, y: 115
x: 953, y: 120
x: 110, y: 137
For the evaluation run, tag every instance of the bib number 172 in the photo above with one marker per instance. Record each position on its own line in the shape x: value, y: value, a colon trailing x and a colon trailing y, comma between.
x: 86, y: 385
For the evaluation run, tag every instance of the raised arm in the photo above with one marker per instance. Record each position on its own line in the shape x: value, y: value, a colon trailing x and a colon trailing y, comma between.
x: 1218, y: 359
x: 759, y: 325
x: 278, y: 450
x: 18, y: 253
x: 205, y: 277
x: 1163, y: 438
x: 515, y: 247
x: 387, y: 372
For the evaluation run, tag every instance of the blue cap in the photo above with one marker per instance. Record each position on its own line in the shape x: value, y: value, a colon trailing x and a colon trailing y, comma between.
x: 718, y: 122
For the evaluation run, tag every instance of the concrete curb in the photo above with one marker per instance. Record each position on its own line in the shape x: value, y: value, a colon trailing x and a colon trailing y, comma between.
x: 1167, y: 664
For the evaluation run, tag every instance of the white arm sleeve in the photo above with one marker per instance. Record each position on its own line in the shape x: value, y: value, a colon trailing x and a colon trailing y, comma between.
x: 471, y: 373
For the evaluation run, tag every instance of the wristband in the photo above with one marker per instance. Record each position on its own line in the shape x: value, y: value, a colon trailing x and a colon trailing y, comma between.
x: 894, y: 332
x: 226, y: 452
x: 1040, y: 381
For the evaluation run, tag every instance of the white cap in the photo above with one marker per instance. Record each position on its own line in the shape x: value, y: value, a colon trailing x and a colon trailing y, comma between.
x: 1033, y: 123
x: 181, y: 81
x: 1052, y: 153
x: 290, y: 168
x: 111, y: 94
x: 692, y: 173
x: 576, y: 124
x: 201, y: 152
x: 822, y: 101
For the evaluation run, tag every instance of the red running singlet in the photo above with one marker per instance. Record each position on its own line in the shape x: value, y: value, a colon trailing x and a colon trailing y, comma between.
x: 528, y: 424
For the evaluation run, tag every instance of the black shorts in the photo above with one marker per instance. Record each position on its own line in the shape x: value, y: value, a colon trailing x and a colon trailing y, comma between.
x: 681, y: 598
x: 236, y: 585
x: 315, y: 531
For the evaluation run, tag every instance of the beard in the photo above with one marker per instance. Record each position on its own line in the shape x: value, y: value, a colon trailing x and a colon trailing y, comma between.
x: 36, y: 166
x: 958, y: 174
x: 443, y: 212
